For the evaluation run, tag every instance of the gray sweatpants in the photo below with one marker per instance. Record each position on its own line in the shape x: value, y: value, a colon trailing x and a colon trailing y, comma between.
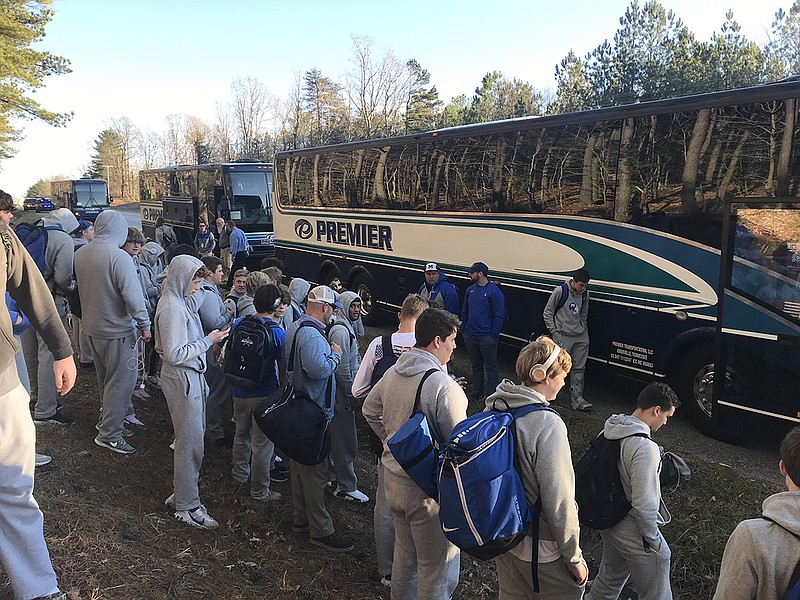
x: 219, y: 396
x: 80, y: 341
x: 41, y: 368
x: 624, y: 556
x: 555, y: 582
x: 578, y: 348
x: 252, y: 450
x: 23, y: 551
x: 115, y: 365
x: 383, y: 524
x: 344, y: 444
x: 426, y: 564
x: 186, y: 391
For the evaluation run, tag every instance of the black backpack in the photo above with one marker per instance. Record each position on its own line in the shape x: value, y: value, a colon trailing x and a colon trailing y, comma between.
x: 383, y: 365
x: 598, y: 487
x: 247, y: 352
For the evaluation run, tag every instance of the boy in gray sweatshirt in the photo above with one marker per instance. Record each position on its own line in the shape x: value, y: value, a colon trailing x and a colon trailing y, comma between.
x: 634, y: 547
x: 566, y: 316
x: 182, y: 346
x: 426, y: 564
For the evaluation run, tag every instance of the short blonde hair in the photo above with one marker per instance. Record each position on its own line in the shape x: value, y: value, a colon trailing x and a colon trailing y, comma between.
x: 254, y: 281
x: 537, y: 353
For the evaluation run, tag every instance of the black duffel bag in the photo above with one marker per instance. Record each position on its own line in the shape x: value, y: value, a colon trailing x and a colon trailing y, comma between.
x: 294, y: 422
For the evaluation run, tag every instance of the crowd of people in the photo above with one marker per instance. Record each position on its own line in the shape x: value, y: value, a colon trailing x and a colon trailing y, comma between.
x: 152, y: 313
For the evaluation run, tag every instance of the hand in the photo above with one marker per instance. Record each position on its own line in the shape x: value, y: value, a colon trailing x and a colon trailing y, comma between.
x: 229, y: 309
x: 579, y: 572
x: 64, y: 370
x: 336, y: 348
x: 146, y: 335
x: 462, y: 381
x: 217, y: 336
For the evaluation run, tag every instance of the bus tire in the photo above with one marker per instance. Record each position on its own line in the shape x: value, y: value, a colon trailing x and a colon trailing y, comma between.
x: 365, y: 288
x: 333, y: 279
x: 694, y: 386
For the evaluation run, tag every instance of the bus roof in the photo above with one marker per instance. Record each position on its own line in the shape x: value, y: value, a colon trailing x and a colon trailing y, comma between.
x: 784, y: 89
x: 241, y: 166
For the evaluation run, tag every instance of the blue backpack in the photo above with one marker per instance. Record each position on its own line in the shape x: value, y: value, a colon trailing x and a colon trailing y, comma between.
x: 34, y: 237
x: 565, y: 295
x: 482, y: 504
x: 415, y: 448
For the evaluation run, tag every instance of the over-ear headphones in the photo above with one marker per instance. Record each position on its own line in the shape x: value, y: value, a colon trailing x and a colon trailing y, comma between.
x: 277, y: 303
x: 539, y: 372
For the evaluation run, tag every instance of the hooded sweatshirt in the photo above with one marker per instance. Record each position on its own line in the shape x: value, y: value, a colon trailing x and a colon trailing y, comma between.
x: 441, y: 294
x: 110, y: 289
x: 572, y: 318
x: 150, y: 261
x: 26, y: 286
x: 760, y: 556
x: 59, y: 254
x: 639, y: 470
x: 212, y: 311
x: 298, y: 290
x: 545, y: 467
x: 390, y: 403
x: 342, y: 332
x: 179, y: 333
x: 314, y: 362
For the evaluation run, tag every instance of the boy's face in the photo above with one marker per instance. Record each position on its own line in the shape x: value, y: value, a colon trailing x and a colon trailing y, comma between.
x: 216, y: 276
x: 132, y: 248
x: 354, y: 311
x: 193, y: 286
x: 281, y: 310
x: 240, y: 285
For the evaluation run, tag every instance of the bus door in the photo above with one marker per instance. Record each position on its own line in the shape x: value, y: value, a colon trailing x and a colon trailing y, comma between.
x: 758, y: 324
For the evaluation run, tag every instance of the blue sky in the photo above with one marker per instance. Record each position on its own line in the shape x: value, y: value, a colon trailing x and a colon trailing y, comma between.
x: 147, y: 59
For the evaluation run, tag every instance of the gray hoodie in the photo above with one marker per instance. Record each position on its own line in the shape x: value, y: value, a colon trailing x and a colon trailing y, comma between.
x: 760, y: 556
x: 179, y: 334
x: 639, y: 470
x: 298, y: 290
x: 389, y: 404
x: 213, y: 314
x: 545, y: 467
x: 343, y: 333
x: 110, y: 291
x: 572, y: 318
x: 59, y: 254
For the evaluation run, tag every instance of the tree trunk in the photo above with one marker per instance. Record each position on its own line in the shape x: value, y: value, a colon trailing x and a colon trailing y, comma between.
x: 722, y: 192
x: 587, y: 178
x: 782, y: 175
x: 692, y: 166
x: 379, y: 196
x: 622, y: 201
x: 316, y: 200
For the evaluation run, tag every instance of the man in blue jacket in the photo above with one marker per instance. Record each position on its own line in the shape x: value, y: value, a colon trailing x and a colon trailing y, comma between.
x: 482, y: 319
x: 239, y: 249
x: 439, y: 292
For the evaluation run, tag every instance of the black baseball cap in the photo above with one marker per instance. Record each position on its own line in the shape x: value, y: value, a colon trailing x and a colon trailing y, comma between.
x: 479, y: 266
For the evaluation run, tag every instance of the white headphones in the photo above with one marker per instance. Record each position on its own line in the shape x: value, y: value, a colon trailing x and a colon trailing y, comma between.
x: 539, y: 372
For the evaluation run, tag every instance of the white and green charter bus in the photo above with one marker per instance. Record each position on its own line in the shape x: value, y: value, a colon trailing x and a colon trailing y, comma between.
x: 686, y: 212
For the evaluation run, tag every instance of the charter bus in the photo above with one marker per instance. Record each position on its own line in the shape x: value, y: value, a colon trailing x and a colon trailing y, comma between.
x: 185, y: 194
x: 686, y: 212
x: 86, y: 198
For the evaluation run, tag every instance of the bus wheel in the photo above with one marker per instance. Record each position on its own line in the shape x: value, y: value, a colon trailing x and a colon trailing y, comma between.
x: 695, y: 388
x: 363, y: 286
x: 334, y: 281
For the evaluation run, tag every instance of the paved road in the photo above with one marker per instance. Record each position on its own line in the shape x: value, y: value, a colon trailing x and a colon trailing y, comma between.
x: 757, y: 458
x: 131, y: 213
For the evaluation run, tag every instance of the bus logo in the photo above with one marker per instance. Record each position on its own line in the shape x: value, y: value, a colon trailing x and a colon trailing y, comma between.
x: 303, y: 229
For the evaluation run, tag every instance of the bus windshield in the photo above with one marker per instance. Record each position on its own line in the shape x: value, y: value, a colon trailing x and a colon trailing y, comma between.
x: 90, y: 194
x: 250, y: 203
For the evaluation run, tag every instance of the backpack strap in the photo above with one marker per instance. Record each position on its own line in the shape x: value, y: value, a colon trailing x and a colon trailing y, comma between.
x: 563, y: 299
x: 386, y: 344
x: 427, y: 374
x: 349, y: 333
x: 290, y: 365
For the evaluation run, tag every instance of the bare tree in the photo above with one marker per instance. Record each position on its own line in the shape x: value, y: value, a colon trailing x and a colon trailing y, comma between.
x: 251, y: 105
x: 128, y: 134
x: 223, y: 134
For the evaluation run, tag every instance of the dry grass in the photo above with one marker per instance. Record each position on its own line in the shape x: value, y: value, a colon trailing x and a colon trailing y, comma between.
x: 111, y: 537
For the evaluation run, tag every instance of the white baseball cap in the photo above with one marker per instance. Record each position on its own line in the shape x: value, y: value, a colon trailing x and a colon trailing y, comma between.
x: 324, y: 295
x: 431, y: 267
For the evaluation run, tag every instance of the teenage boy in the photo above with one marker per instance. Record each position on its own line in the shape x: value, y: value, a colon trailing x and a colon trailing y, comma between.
x: 762, y: 553
x: 426, y: 564
x: 239, y: 290
x: 634, y: 547
x: 566, y: 315
x: 482, y: 316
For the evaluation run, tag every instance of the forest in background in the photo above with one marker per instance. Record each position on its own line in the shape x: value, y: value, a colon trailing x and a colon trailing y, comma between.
x: 652, y: 55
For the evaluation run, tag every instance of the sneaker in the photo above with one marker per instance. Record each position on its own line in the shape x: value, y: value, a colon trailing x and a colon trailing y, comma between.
x: 120, y: 446
x: 270, y: 497
x: 354, y: 496
x: 278, y: 476
x: 300, y: 528
x: 170, y: 502
x: 155, y: 381
x: 55, y: 596
x: 134, y: 421
x: 197, y: 517
x: 386, y: 580
x: 42, y: 459
x: 141, y: 393
x: 335, y: 542
x: 581, y: 404
x: 55, y: 419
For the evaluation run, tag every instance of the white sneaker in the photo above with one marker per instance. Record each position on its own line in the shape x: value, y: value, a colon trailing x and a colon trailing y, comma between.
x: 354, y: 496
x: 42, y: 460
x: 197, y: 517
x: 581, y: 404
